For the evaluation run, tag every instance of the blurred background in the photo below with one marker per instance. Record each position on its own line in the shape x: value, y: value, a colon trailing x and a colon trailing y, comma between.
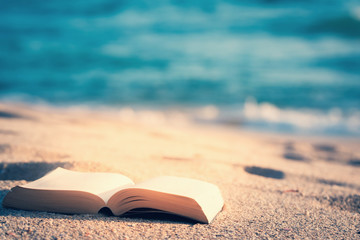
x: 268, y: 65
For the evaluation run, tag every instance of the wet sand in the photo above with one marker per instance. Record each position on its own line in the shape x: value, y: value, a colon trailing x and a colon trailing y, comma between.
x: 274, y: 186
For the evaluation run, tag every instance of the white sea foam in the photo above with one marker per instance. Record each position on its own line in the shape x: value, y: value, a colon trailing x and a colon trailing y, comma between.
x: 250, y: 115
x: 256, y: 116
x: 334, y: 121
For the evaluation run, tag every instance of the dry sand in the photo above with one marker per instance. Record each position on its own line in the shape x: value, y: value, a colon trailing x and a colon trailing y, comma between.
x: 274, y: 186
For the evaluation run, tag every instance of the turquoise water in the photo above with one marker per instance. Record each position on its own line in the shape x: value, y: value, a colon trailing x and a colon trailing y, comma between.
x: 270, y: 65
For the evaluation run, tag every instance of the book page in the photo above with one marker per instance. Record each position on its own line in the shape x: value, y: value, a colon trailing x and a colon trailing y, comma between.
x: 207, y: 195
x: 109, y: 193
x: 95, y: 183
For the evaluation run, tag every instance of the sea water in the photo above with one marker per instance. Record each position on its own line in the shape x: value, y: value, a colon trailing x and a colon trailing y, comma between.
x: 278, y: 65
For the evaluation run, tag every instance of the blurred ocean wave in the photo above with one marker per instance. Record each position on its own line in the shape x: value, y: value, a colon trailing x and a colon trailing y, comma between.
x: 302, y: 121
x: 252, y: 115
x: 302, y: 58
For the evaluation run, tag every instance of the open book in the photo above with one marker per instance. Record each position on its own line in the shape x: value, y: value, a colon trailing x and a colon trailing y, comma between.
x: 66, y: 191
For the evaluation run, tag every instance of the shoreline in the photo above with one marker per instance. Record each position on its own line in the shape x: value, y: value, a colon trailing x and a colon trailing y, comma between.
x: 274, y: 185
x: 199, y: 116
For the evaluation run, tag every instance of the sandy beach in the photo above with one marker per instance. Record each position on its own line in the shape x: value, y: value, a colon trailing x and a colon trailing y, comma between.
x: 274, y: 186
